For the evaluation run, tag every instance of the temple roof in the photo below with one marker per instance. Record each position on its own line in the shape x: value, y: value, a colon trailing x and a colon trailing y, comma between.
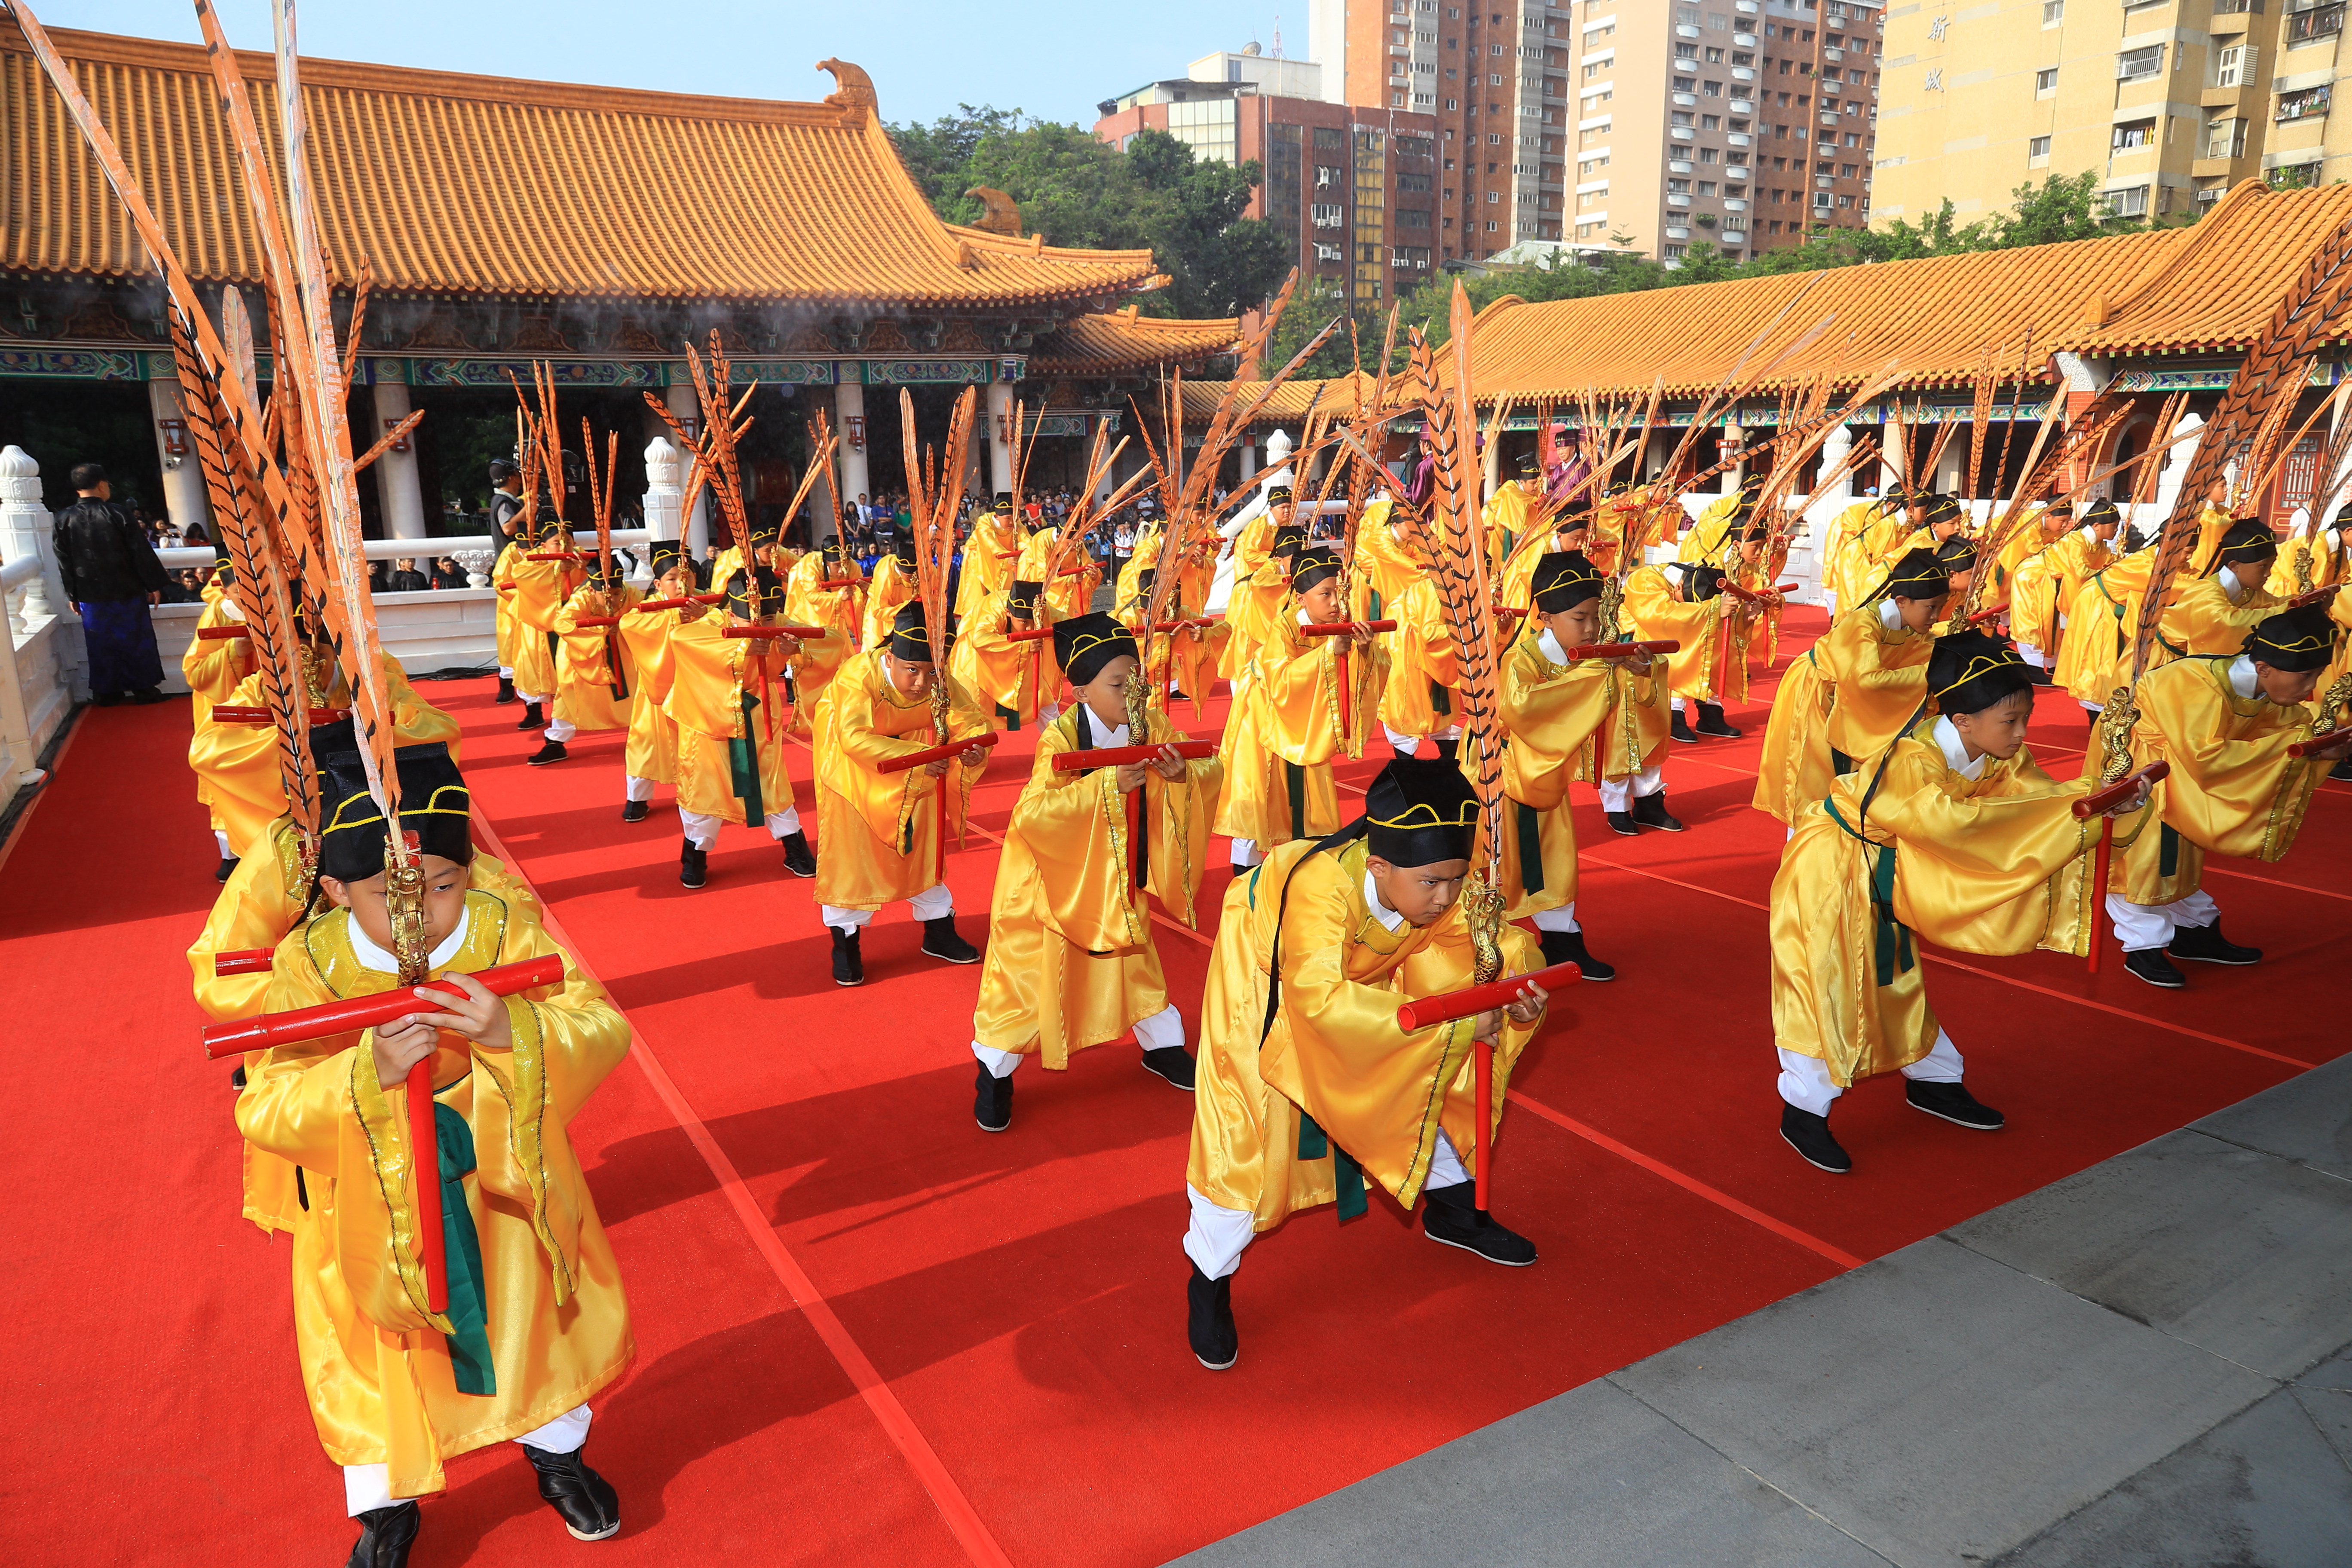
x: 1118, y: 342
x: 453, y: 183
x: 2203, y: 289
x: 1287, y: 403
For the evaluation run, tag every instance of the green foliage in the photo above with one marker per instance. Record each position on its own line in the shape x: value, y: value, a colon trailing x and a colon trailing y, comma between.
x: 1081, y: 192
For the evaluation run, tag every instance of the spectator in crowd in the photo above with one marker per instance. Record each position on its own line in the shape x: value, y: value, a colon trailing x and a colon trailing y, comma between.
x: 446, y: 573
x: 110, y: 576
x: 406, y: 578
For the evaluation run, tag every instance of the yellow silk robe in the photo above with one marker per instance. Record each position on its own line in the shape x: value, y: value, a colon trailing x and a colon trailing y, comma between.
x: 503, y: 592
x: 1384, y: 565
x: 1071, y: 961
x: 262, y: 900
x: 1703, y: 542
x: 1551, y: 711
x: 1011, y: 680
x: 1505, y: 516
x: 1794, y: 767
x: 1064, y: 595
x: 538, y: 590
x: 2305, y: 563
x: 213, y: 667
x: 2024, y: 542
x: 595, y: 678
x: 236, y: 765
x: 892, y: 585
x: 986, y: 565
x: 841, y: 610
x: 733, y: 727
x: 1335, y: 1051
x: 1186, y: 660
x: 880, y: 831
x: 1422, y: 669
x: 1655, y: 610
x: 1859, y: 539
x: 375, y: 1362
x: 1279, y: 743
x: 1988, y: 866
x: 2101, y: 623
x: 651, y: 752
x: 2202, y: 620
x: 2046, y: 586
x: 2234, y: 790
x: 1251, y: 604
x: 1880, y: 674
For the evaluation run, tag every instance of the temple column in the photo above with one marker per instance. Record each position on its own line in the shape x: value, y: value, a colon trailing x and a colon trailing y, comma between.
x: 183, y: 479
x: 1106, y: 485
x: 398, y: 489
x: 848, y: 403
x: 1000, y: 435
x: 1249, y: 459
x: 695, y: 530
x: 1490, y: 466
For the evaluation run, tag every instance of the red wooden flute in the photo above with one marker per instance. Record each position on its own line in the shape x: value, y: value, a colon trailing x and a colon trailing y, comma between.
x: 938, y: 753
x: 1123, y: 756
x: 2099, y: 802
x: 555, y: 556
x: 578, y: 621
x: 1031, y: 634
x: 1757, y: 596
x: 223, y: 633
x: 329, y: 1018
x: 228, y: 713
x: 678, y: 603
x: 1346, y: 628
x: 2327, y: 741
x: 781, y: 629
x: 1180, y: 625
x: 1621, y: 649
x: 1427, y: 1012
x: 841, y: 582
x: 2316, y: 596
x: 244, y: 961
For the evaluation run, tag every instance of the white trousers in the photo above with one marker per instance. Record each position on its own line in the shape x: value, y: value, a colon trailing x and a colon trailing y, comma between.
x: 526, y: 697
x: 1560, y: 918
x: 1216, y: 1236
x: 222, y: 839
x: 1410, y: 743
x: 703, y: 831
x: 367, y: 1487
x: 1615, y: 793
x: 1805, y: 1080
x: 635, y: 788
x: 1245, y: 853
x: 2143, y: 926
x: 2030, y: 654
x: 1163, y: 1029
x: 928, y: 905
x: 506, y: 672
x: 560, y: 729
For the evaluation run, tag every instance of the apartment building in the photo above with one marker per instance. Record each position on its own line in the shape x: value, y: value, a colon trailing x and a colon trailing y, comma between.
x: 2171, y: 101
x: 1666, y: 124
x: 1352, y: 185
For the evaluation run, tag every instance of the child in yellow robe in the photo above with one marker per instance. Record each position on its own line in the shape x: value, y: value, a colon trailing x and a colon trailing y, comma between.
x: 2045, y: 585
x: 882, y: 831
x: 1071, y: 961
x: 1253, y: 598
x: 532, y: 592
x: 727, y: 696
x: 1278, y: 747
x: 2213, y: 613
x: 1015, y: 679
x: 595, y: 677
x: 537, y: 1323
x: 2224, y: 723
x: 988, y: 556
x: 1184, y: 662
x: 1683, y: 602
x: 1306, y: 1084
x: 649, y: 757
x: 213, y: 667
x: 809, y: 602
x: 1956, y: 836
x: 2315, y: 556
x: 505, y: 522
x: 1417, y: 702
x: 1550, y: 709
x: 892, y: 585
x: 2102, y: 622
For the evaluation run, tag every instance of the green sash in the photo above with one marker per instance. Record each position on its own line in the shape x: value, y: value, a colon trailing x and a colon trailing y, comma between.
x: 1894, y: 945
x: 469, y: 1347
x: 1313, y: 1144
x: 743, y: 767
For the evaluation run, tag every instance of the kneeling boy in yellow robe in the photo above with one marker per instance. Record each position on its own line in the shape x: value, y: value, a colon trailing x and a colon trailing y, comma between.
x: 1956, y: 837
x: 596, y: 676
x: 536, y: 1322
x: 882, y: 832
x: 2214, y: 614
x: 1305, y: 1083
x: 1071, y: 961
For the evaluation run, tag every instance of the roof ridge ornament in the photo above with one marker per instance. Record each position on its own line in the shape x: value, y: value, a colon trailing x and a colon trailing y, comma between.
x: 1003, y: 214
x: 853, y: 89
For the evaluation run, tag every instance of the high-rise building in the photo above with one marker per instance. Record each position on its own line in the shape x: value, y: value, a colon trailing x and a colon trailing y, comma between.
x: 1662, y: 123
x: 1353, y: 186
x: 2169, y: 102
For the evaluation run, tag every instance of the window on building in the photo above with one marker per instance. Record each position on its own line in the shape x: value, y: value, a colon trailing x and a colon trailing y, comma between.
x: 2294, y: 176
x: 2309, y: 103
x: 2054, y: 12
x: 1710, y: 122
x: 1675, y: 252
x: 2045, y: 82
x: 2140, y: 65
x: 1686, y: 84
x: 2130, y: 202
x: 1677, y: 187
x: 1714, y: 57
x: 2234, y: 66
x: 1707, y: 155
x: 1707, y: 188
x: 2038, y: 147
x: 2313, y: 22
x: 2132, y: 133
x: 1679, y: 117
x: 1411, y: 217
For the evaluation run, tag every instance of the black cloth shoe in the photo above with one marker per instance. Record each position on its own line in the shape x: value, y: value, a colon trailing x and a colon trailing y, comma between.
x: 142, y: 699
x: 506, y: 689
x: 552, y: 752
x: 799, y: 859
x: 940, y: 939
x: 1209, y: 1321
x: 531, y: 720
x: 991, y: 1099
x: 1954, y: 1103
x: 693, y: 866
x: 635, y: 810
x: 1680, y: 729
x: 1622, y: 822
x: 848, y: 963
x: 2206, y: 945
x: 590, y: 1507
x: 1809, y: 1135
x: 1450, y: 1216
x: 1568, y: 947
x: 236, y: 1080
x: 2149, y: 964
x: 225, y: 869
x: 386, y: 1536
x: 2342, y: 770
x: 1173, y: 1063
x: 2039, y: 676
x: 1650, y: 811
x: 1449, y: 751
x: 1711, y: 722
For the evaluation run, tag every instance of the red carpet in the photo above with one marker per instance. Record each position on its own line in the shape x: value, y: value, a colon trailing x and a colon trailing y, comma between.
x: 940, y: 1346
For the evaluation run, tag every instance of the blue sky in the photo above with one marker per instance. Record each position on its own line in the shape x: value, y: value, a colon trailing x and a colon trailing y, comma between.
x: 1054, y: 58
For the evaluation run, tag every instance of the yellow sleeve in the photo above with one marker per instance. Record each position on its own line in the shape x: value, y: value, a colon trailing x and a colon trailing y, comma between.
x: 1550, y: 711
x: 2233, y: 789
x: 1960, y: 858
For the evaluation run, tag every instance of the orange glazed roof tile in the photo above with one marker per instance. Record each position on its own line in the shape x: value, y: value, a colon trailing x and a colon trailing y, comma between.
x: 1128, y: 340
x: 482, y: 184
x: 1288, y: 403
x: 2203, y: 289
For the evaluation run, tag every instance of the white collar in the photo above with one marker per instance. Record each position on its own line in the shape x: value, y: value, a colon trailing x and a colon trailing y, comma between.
x: 1390, y: 921
x: 229, y: 608
x: 1956, y: 752
x: 2230, y: 584
x: 370, y: 956
x: 1888, y: 615
x: 1105, y: 735
x: 2241, y: 678
x: 1549, y: 646
x: 1305, y: 619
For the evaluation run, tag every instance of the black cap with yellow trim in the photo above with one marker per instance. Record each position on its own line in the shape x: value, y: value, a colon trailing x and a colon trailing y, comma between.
x: 1419, y: 813
x: 1312, y: 566
x: 2293, y: 640
x: 2246, y: 540
x: 662, y: 555
x: 1021, y: 598
x: 434, y: 806
x: 909, y: 634
x: 1968, y: 671
x: 1563, y: 580
x: 1920, y: 575
x: 1278, y: 496
x: 1084, y: 644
